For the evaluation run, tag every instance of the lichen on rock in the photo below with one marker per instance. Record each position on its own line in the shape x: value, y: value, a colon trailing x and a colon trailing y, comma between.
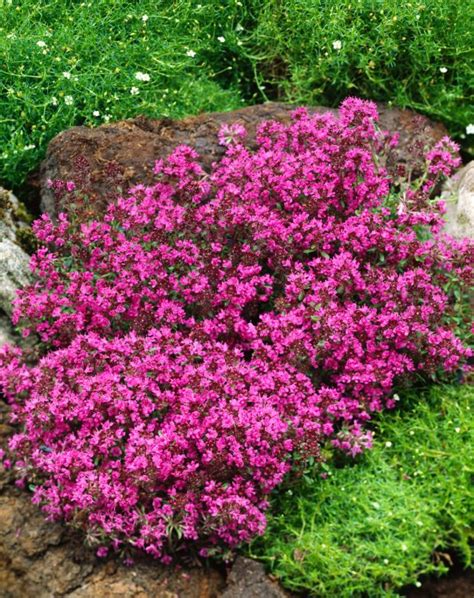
x: 458, y: 192
x: 14, y: 261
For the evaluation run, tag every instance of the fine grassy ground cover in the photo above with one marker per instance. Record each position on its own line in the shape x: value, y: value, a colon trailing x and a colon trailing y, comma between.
x: 65, y: 63
x: 415, y: 54
x: 378, y: 524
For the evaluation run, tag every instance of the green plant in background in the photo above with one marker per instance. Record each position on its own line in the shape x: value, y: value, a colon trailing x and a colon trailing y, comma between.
x: 65, y: 63
x: 378, y: 524
x: 416, y: 54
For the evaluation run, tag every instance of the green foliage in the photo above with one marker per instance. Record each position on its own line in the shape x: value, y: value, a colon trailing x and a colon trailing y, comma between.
x: 63, y: 62
x: 218, y: 55
x: 378, y: 524
x: 415, y: 54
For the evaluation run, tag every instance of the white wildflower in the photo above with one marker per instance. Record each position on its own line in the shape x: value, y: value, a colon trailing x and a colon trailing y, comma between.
x: 145, y: 18
x: 68, y: 100
x: 221, y: 39
x: 443, y: 70
x: 96, y: 113
x: 337, y: 44
x: 142, y: 76
x: 191, y: 53
x: 470, y: 129
x: 54, y: 101
x: 66, y: 74
x: 134, y: 91
x: 388, y: 444
x: 41, y: 44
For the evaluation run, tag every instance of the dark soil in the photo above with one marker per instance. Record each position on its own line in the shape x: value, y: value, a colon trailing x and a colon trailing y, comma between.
x: 458, y: 583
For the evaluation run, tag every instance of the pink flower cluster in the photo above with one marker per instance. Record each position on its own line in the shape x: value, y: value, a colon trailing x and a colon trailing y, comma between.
x: 151, y: 439
x: 210, y: 331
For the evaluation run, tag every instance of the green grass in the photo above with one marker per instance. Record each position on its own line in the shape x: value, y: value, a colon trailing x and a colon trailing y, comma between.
x: 102, y: 45
x: 378, y: 524
x: 245, y: 52
x: 416, y: 54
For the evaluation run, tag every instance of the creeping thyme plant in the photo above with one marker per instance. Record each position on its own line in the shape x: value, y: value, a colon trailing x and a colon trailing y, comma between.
x: 212, y: 331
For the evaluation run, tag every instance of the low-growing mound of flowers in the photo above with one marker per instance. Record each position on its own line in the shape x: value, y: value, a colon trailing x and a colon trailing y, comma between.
x: 155, y: 436
x: 212, y: 331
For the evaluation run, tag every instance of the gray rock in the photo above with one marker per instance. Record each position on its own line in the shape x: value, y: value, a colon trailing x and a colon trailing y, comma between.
x: 14, y: 272
x: 458, y: 192
x: 14, y: 262
x: 9, y: 222
x: 248, y: 579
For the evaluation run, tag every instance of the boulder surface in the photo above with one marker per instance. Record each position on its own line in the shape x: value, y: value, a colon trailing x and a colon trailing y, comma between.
x: 458, y: 192
x: 14, y: 261
x: 132, y: 147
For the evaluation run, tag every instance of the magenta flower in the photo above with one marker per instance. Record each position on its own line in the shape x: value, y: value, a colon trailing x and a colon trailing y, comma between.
x: 211, y: 331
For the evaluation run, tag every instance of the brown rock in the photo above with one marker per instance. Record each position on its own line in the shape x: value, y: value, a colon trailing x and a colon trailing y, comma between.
x: 26, y: 528
x: 134, y: 145
x: 44, y: 560
x: 56, y: 573
x: 145, y: 581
